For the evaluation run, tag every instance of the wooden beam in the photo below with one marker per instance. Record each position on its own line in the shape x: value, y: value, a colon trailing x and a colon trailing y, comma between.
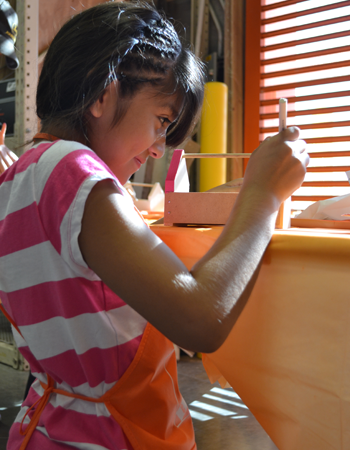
x: 233, y: 77
x: 54, y: 13
x: 252, y: 75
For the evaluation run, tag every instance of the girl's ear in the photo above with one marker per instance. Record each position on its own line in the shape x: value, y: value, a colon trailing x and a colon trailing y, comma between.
x: 105, y: 102
x: 96, y: 109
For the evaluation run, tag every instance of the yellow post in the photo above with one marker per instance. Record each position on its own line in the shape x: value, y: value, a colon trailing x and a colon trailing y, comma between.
x: 213, y: 135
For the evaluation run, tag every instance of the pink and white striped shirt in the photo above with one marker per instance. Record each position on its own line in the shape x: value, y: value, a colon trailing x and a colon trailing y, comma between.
x: 74, y: 327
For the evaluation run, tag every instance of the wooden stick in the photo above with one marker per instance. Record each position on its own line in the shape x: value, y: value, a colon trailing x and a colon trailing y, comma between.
x: 282, y: 114
x: 216, y: 155
x: 284, y: 214
x: 141, y: 184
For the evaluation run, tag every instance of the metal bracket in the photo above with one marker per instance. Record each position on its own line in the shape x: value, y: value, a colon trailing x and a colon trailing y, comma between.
x: 200, y: 27
x: 26, y: 123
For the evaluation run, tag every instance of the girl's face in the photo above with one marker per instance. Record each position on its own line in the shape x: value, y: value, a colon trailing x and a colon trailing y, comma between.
x: 139, y: 134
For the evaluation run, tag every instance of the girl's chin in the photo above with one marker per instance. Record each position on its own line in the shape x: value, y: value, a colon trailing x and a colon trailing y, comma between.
x: 123, y: 176
x: 124, y: 179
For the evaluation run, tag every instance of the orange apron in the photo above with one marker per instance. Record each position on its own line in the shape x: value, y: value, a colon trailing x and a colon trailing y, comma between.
x: 146, y: 401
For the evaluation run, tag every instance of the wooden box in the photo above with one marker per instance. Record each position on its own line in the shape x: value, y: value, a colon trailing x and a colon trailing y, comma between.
x: 182, y: 207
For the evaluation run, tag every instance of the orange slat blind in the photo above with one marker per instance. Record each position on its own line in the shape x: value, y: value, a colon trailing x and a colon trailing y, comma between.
x: 305, y: 57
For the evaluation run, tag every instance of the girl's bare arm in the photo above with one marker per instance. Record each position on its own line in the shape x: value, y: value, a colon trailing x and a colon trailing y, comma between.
x: 195, y: 309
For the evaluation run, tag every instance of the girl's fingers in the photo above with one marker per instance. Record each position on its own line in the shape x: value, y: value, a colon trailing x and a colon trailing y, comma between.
x: 2, y: 167
x: 7, y: 160
x: 7, y: 157
x: 304, y: 158
x: 299, y: 151
x: 298, y: 146
x: 291, y: 134
x: 2, y: 134
x: 12, y: 156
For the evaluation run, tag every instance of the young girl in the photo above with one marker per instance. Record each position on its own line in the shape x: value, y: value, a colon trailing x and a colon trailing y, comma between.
x: 94, y: 294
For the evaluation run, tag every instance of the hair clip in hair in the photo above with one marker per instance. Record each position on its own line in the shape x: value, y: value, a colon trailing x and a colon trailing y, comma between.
x: 120, y: 76
x: 161, y: 23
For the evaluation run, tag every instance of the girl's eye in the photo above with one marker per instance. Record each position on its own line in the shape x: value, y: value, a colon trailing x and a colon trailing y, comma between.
x: 164, y: 121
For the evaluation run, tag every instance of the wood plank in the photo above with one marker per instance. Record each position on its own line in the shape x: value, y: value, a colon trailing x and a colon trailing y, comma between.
x: 54, y: 13
x: 233, y: 77
x: 200, y: 208
x: 317, y: 223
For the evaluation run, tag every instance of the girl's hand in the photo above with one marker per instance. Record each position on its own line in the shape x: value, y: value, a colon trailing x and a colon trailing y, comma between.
x: 7, y: 157
x: 278, y: 166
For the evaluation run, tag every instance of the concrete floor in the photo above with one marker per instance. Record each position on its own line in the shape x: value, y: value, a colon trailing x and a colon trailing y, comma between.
x: 218, y: 424
x: 12, y: 387
x: 236, y: 430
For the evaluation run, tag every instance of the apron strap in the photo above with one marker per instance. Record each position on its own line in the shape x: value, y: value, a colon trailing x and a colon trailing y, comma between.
x: 9, y: 318
x: 36, y: 416
x: 42, y: 402
x: 46, y: 136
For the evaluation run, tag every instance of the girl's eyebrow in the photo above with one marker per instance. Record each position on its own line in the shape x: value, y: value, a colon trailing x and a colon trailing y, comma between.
x: 174, y: 112
x: 170, y: 105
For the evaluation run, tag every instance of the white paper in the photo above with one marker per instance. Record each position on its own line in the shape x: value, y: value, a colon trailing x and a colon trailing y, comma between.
x: 330, y: 209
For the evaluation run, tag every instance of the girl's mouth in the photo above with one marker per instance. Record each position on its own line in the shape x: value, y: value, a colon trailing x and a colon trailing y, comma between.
x: 138, y: 162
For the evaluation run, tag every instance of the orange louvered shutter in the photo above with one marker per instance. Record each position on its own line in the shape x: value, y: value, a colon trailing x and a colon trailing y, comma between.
x: 300, y: 50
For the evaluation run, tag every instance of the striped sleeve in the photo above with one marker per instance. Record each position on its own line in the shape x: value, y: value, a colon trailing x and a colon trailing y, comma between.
x: 67, y: 173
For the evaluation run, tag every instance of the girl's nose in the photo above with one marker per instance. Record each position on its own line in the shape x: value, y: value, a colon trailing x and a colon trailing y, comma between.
x: 157, y: 149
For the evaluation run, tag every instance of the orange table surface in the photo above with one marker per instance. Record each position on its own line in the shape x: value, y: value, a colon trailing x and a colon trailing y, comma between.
x: 288, y: 356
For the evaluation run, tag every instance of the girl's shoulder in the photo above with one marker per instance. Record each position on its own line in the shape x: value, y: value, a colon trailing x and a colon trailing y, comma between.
x: 47, y: 154
x: 54, y: 152
x: 68, y: 156
x: 70, y: 160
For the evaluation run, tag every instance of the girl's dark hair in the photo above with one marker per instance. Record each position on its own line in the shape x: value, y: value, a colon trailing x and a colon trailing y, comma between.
x: 131, y: 42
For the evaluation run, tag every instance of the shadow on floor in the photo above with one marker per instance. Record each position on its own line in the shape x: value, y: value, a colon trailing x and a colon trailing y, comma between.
x: 221, y: 420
